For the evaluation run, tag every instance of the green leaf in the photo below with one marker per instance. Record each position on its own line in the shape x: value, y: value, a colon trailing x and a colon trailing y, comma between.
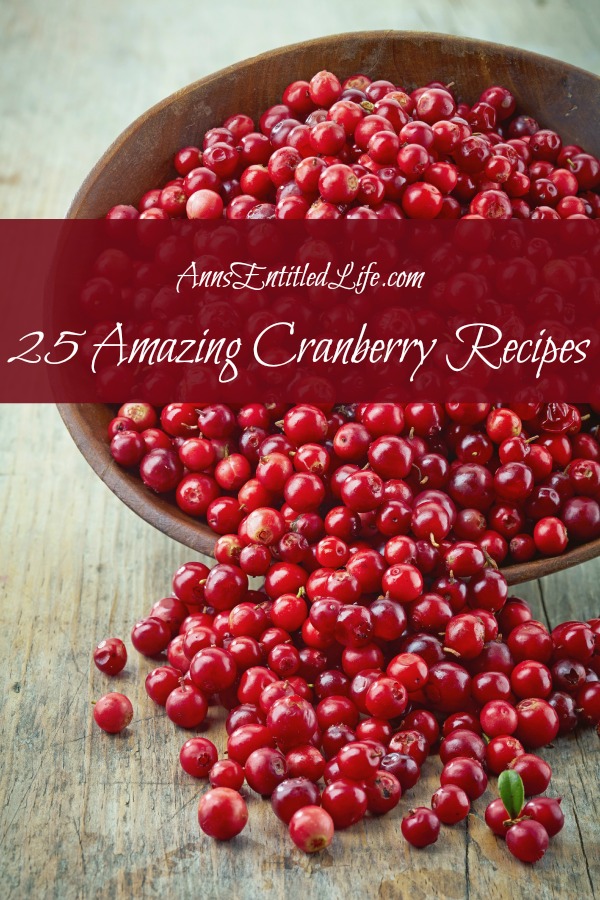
x: 512, y: 793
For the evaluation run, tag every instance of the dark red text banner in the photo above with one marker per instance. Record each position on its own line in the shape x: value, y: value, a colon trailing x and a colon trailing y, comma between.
x: 323, y: 312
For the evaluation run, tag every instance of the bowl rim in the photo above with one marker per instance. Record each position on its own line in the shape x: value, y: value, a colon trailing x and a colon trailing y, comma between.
x: 382, y: 34
x: 161, y: 513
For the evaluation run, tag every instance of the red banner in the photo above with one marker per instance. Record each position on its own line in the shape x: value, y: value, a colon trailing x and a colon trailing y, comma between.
x: 315, y: 311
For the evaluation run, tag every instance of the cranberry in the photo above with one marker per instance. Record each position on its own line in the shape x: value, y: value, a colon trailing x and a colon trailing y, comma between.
x: 186, y: 706
x: 546, y: 811
x: 463, y: 720
x: 291, y: 721
x: 451, y: 804
x: 226, y: 773
x: 222, y: 813
x: 530, y: 641
x: 467, y: 774
x: 498, y: 717
x: 535, y: 773
x: 448, y: 686
x: 501, y: 752
x: 160, y: 682
x: 305, y: 761
x: 311, y: 829
x: 161, y: 470
x: 550, y: 536
x: 127, y: 448
x: 212, y: 670
x: 264, y: 769
x: 462, y: 742
x: 538, y: 723
x: 113, y: 712
x: 150, y: 636
x: 497, y: 818
x: 110, y: 656
x: 531, y: 679
x: 345, y: 801
x: 421, y: 827
x: 410, y: 743
x: 198, y: 756
x: 588, y: 703
x: 527, y: 840
x: 465, y: 636
x: 424, y: 721
x: 361, y: 492
x: 403, y: 582
x: 565, y: 708
x: 247, y: 738
x: 581, y: 516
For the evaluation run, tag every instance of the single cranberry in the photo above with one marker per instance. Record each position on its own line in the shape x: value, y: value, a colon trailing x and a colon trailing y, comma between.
x: 161, y: 682
x: 534, y: 771
x: 467, y: 774
x: 531, y: 679
x: 291, y: 722
x: 198, y: 756
x: 345, y: 801
x: 538, y: 723
x: 588, y: 703
x: 464, y: 743
x: 226, y: 773
x: 498, y: 717
x: 527, y: 840
x: 404, y: 767
x: 161, y: 470
x: 311, y: 829
x: 113, y: 712
x: 501, y: 751
x: 358, y: 761
x: 222, y: 813
x: 305, y: 761
x: 247, y: 738
x: 383, y: 793
x: 186, y: 706
x: 451, y: 804
x: 110, y: 656
x: 264, y: 769
x: 150, y: 636
x: 448, y: 687
x: 421, y: 827
x: 465, y: 636
x: 546, y: 811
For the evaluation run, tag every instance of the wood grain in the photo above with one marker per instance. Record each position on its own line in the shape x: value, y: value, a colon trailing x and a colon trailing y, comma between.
x: 84, y: 815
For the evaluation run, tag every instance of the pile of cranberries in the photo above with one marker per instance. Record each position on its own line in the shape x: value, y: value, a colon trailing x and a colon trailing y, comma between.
x: 456, y: 487
x: 364, y: 149
x: 382, y: 630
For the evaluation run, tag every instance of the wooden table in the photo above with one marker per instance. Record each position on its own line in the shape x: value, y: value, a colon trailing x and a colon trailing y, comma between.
x: 88, y: 815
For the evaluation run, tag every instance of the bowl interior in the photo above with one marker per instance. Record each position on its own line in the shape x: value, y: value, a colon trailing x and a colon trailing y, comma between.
x: 557, y: 94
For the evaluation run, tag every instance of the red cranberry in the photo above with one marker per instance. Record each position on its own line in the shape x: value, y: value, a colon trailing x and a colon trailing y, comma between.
x: 222, y: 813
x: 421, y: 827
x: 113, y: 712
x: 110, y: 656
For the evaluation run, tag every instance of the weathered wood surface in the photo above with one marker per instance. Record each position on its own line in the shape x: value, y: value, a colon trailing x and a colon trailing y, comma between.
x: 83, y: 815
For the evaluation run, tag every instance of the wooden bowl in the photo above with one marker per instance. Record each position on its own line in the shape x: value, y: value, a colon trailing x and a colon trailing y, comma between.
x: 559, y: 95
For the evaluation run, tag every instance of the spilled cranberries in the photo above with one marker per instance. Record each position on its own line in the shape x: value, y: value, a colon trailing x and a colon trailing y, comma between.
x: 382, y: 621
